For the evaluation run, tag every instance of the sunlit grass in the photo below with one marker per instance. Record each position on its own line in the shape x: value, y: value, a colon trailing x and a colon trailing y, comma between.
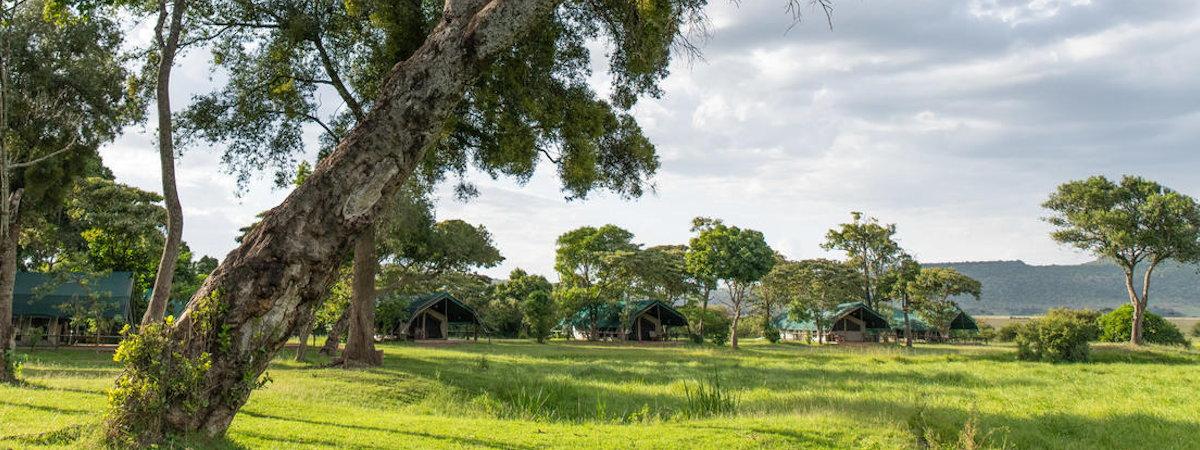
x: 510, y: 394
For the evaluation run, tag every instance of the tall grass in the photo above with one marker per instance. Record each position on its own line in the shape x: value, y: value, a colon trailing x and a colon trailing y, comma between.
x: 707, y: 398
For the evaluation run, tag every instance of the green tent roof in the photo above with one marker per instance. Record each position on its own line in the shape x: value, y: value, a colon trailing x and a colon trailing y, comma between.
x: 458, y: 312
x: 609, y: 316
x: 962, y: 321
x: 785, y: 323
x: 58, y: 295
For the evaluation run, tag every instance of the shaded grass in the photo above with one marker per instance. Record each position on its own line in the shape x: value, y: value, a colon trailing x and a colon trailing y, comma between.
x: 519, y: 395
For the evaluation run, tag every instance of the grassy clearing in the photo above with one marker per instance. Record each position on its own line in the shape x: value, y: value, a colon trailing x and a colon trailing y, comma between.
x: 517, y: 395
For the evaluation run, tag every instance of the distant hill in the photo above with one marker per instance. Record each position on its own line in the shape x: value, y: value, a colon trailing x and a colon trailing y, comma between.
x: 1016, y: 288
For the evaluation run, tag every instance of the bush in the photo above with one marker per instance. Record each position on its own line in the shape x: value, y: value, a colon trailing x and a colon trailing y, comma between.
x: 719, y: 336
x: 716, y: 324
x: 1054, y: 338
x: 771, y: 332
x: 1117, y: 326
x: 1196, y: 330
x: 1088, y: 316
x: 1008, y: 332
x: 987, y: 332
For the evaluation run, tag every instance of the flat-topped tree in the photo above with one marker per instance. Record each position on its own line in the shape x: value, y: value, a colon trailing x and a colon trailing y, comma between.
x: 249, y: 306
x: 1130, y: 222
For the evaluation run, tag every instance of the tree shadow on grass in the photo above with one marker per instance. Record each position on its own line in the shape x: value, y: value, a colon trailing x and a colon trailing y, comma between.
x: 404, y: 433
x: 52, y: 409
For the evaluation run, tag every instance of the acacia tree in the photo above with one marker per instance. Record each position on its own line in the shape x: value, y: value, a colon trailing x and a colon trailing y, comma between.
x: 1131, y: 222
x: 583, y: 258
x: 249, y: 306
x: 932, y: 292
x: 811, y: 289
x: 61, y: 96
x: 869, y: 247
x: 738, y: 257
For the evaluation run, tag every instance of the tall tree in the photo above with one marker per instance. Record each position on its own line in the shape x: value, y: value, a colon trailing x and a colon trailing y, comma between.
x: 168, y: 30
x: 812, y: 289
x: 61, y: 96
x: 897, y: 283
x: 870, y: 247
x: 738, y: 257
x: 255, y: 298
x: 582, y: 259
x: 1131, y: 222
x: 513, y: 295
x: 933, y: 291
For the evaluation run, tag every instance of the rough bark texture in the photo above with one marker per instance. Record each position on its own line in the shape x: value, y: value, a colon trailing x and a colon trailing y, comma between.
x: 252, y: 303
x: 335, y: 334
x: 360, y: 339
x: 166, y: 155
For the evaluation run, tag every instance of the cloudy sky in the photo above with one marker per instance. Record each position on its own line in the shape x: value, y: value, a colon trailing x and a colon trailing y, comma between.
x: 952, y: 119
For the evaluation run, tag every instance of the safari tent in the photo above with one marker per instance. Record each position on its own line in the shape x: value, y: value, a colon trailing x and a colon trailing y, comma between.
x: 921, y: 328
x: 646, y: 320
x: 44, y: 304
x: 438, y: 316
x: 850, y: 322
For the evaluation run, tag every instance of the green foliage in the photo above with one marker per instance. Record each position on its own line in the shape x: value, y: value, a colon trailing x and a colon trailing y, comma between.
x: 1055, y: 338
x: 718, y: 336
x: 539, y: 314
x: 508, y: 304
x: 1196, y: 330
x: 1087, y: 316
x: 771, y: 332
x: 1117, y: 325
x: 391, y: 313
x: 987, y: 332
x: 870, y: 249
x: 65, y: 97
x: 812, y: 289
x: 723, y: 252
x: 932, y: 294
x: 584, y: 262
x: 712, y: 319
x: 1008, y: 332
x: 157, y: 374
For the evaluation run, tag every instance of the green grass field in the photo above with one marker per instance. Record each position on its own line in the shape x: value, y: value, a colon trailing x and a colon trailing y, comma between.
x: 520, y: 395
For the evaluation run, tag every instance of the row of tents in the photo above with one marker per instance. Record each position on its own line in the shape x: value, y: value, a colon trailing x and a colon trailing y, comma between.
x: 49, y: 303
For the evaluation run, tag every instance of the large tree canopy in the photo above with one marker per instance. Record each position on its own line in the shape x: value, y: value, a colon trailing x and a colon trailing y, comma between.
x: 1131, y: 222
x: 738, y: 257
x: 248, y: 307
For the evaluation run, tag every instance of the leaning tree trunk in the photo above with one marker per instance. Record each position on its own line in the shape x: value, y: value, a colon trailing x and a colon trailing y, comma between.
x: 246, y: 310
x: 166, y: 156
x: 302, y: 347
x: 360, y: 340
x: 335, y: 334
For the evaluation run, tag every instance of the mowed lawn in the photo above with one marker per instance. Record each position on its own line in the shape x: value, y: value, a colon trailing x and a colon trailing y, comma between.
x: 521, y: 395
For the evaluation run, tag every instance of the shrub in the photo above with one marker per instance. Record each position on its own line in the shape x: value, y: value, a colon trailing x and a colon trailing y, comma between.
x: 716, y: 324
x: 1196, y: 330
x: 1008, y: 332
x: 1054, y: 338
x: 771, y: 332
x: 987, y: 332
x: 1117, y: 326
x: 1088, y: 316
x: 718, y: 336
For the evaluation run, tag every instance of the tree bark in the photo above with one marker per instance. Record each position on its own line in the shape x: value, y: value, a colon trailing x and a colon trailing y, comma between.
x: 163, y: 279
x: 907, y: 324
x: 736, y: 296
x: 360, y: 340
x: 335, y: 333
x: 246, y: 310
x: 1135, y: 330
x: 302, y: 348
x: 8, y: 277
